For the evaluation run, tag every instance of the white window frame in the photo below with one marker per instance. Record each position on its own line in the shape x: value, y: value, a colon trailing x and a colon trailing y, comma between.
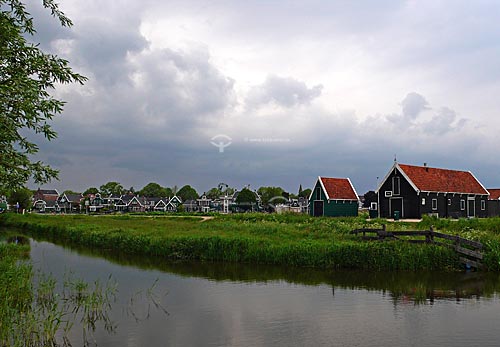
x: 449, y: 202
x: 483, y: 205
x: 462, y: 204
x: 373, y: 206
x: 434, y: 203
x: 423, y: 201
x: 394, y: 185
x: 388, y: 193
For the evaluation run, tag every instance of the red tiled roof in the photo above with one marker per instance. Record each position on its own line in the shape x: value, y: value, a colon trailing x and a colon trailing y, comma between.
x: 339, y: 188
x: 430, y: 179
x: 494, y: 193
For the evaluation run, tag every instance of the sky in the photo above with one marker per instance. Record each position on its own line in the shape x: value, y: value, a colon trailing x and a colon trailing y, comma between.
x: 272, y: 93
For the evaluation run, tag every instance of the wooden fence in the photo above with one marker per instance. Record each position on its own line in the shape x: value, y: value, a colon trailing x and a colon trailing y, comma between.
x: 469, y: 251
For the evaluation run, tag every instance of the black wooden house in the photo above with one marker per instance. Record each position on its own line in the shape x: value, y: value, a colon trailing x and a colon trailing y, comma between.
x: 494, y: 202
x: 413, y: 191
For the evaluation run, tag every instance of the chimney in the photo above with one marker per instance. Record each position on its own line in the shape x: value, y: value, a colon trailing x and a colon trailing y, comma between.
x: 426, y: 168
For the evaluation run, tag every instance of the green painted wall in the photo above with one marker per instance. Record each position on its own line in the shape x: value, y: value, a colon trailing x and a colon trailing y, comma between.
x: 334, y: 208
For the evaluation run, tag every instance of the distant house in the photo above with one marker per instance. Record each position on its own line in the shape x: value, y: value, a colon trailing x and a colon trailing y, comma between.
x: 70, y: 202
x: 494, y: 202
x: 42, y: 194
x: 190, y: 206
x: 333, y: 197
x: 135, y: 205
x: 204, y: 204
x: 161, y: 206
x: 45, y: 200
x: 415, y: 191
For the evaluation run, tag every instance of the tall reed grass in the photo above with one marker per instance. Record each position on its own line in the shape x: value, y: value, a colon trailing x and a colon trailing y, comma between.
x: 293, y: 240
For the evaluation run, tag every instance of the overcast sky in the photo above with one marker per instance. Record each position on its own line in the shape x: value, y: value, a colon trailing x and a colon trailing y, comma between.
x: 273, y: 92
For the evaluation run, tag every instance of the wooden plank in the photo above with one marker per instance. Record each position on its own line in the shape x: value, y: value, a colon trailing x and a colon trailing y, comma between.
x: 357, y: 231
x: 469, y: 252
x: 471, y: 243
x: 444, y: 236
x: 411, y: 233
x: 471, y: 263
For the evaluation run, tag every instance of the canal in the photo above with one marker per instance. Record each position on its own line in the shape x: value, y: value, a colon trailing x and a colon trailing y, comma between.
x: 205, y: 304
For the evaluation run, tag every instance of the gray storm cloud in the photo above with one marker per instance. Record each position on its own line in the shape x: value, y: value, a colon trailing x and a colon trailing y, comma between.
x: 285, y: 92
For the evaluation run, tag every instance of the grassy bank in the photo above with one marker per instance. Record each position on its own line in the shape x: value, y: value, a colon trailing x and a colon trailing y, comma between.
x: 249, y: 238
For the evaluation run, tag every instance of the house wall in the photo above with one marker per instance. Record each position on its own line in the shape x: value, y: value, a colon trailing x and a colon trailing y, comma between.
x: 333, y: 208
x: 408, y: 195
x: 493, y: 208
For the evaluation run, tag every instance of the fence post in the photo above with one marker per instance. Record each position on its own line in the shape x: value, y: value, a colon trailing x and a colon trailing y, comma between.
x: 431, y: 234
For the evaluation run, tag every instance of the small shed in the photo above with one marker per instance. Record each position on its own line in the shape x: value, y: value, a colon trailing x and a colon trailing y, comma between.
x: 333, y: 197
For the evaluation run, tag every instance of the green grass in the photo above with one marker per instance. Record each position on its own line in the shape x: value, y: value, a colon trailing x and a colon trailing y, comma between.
x: 296, y: 240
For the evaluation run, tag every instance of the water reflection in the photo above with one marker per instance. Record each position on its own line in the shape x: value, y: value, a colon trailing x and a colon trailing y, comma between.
x: 403, y: 287
x: 249, y: 305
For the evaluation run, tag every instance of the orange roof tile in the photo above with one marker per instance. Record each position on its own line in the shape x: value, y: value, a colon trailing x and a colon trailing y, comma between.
x: 430, y: 179
x: 494, y: 194
x: 339, y: 188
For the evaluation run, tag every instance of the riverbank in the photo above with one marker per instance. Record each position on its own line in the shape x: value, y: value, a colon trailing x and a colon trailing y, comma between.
x: 291, y: 240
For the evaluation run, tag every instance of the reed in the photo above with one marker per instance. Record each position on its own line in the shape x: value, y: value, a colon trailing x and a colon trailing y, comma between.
x: 33, y: 313
x: 292, y: 240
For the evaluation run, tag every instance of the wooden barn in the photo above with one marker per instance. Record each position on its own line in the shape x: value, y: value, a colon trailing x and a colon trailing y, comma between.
x: 333, y: 197
x: 494, y: 202
x: 414, y: 191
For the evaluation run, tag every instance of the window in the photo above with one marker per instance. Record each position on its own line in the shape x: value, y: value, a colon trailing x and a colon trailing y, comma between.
x: 462, y: 204
x: 318, y: 193
x: 423, y: 201
x: 434, y: 204
x: 483, y: 205
x: 396, y: 185
x: 449, y: 202
x: 373, y: 206
x: 388, y: 193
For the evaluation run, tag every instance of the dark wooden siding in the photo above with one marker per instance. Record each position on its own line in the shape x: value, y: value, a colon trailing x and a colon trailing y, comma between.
x: 414, y: 208
x: 493, y: 207
x: 406, y: 191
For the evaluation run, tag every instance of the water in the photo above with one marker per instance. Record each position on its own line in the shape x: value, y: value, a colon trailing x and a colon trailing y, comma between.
x: 242, y: 305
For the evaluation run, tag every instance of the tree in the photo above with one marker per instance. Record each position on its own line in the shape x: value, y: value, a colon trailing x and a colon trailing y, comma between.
x: 21, y: 196
x: 214, y: 193
x: 27, y: 75
x: 246, y: 196
x: 370, y: 196
x: 109, y: 188
x: 154, y: 189
x: 70, y: 192
x: 305, y: 193
x: 187, y: 193
x: 270, y: 193
x: 91, y: 190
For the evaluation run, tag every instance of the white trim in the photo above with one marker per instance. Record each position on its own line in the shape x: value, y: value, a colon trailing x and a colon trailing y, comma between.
x: 402, y: 205
x: 322, y: 212
x: 326, y: 192
x: 133, y: 200
x: 434, y: 201
x: 354, y: 190
x: 323, y: 187
x: 388, y: 194
x: 479, y: 184
x: 396, y: 166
